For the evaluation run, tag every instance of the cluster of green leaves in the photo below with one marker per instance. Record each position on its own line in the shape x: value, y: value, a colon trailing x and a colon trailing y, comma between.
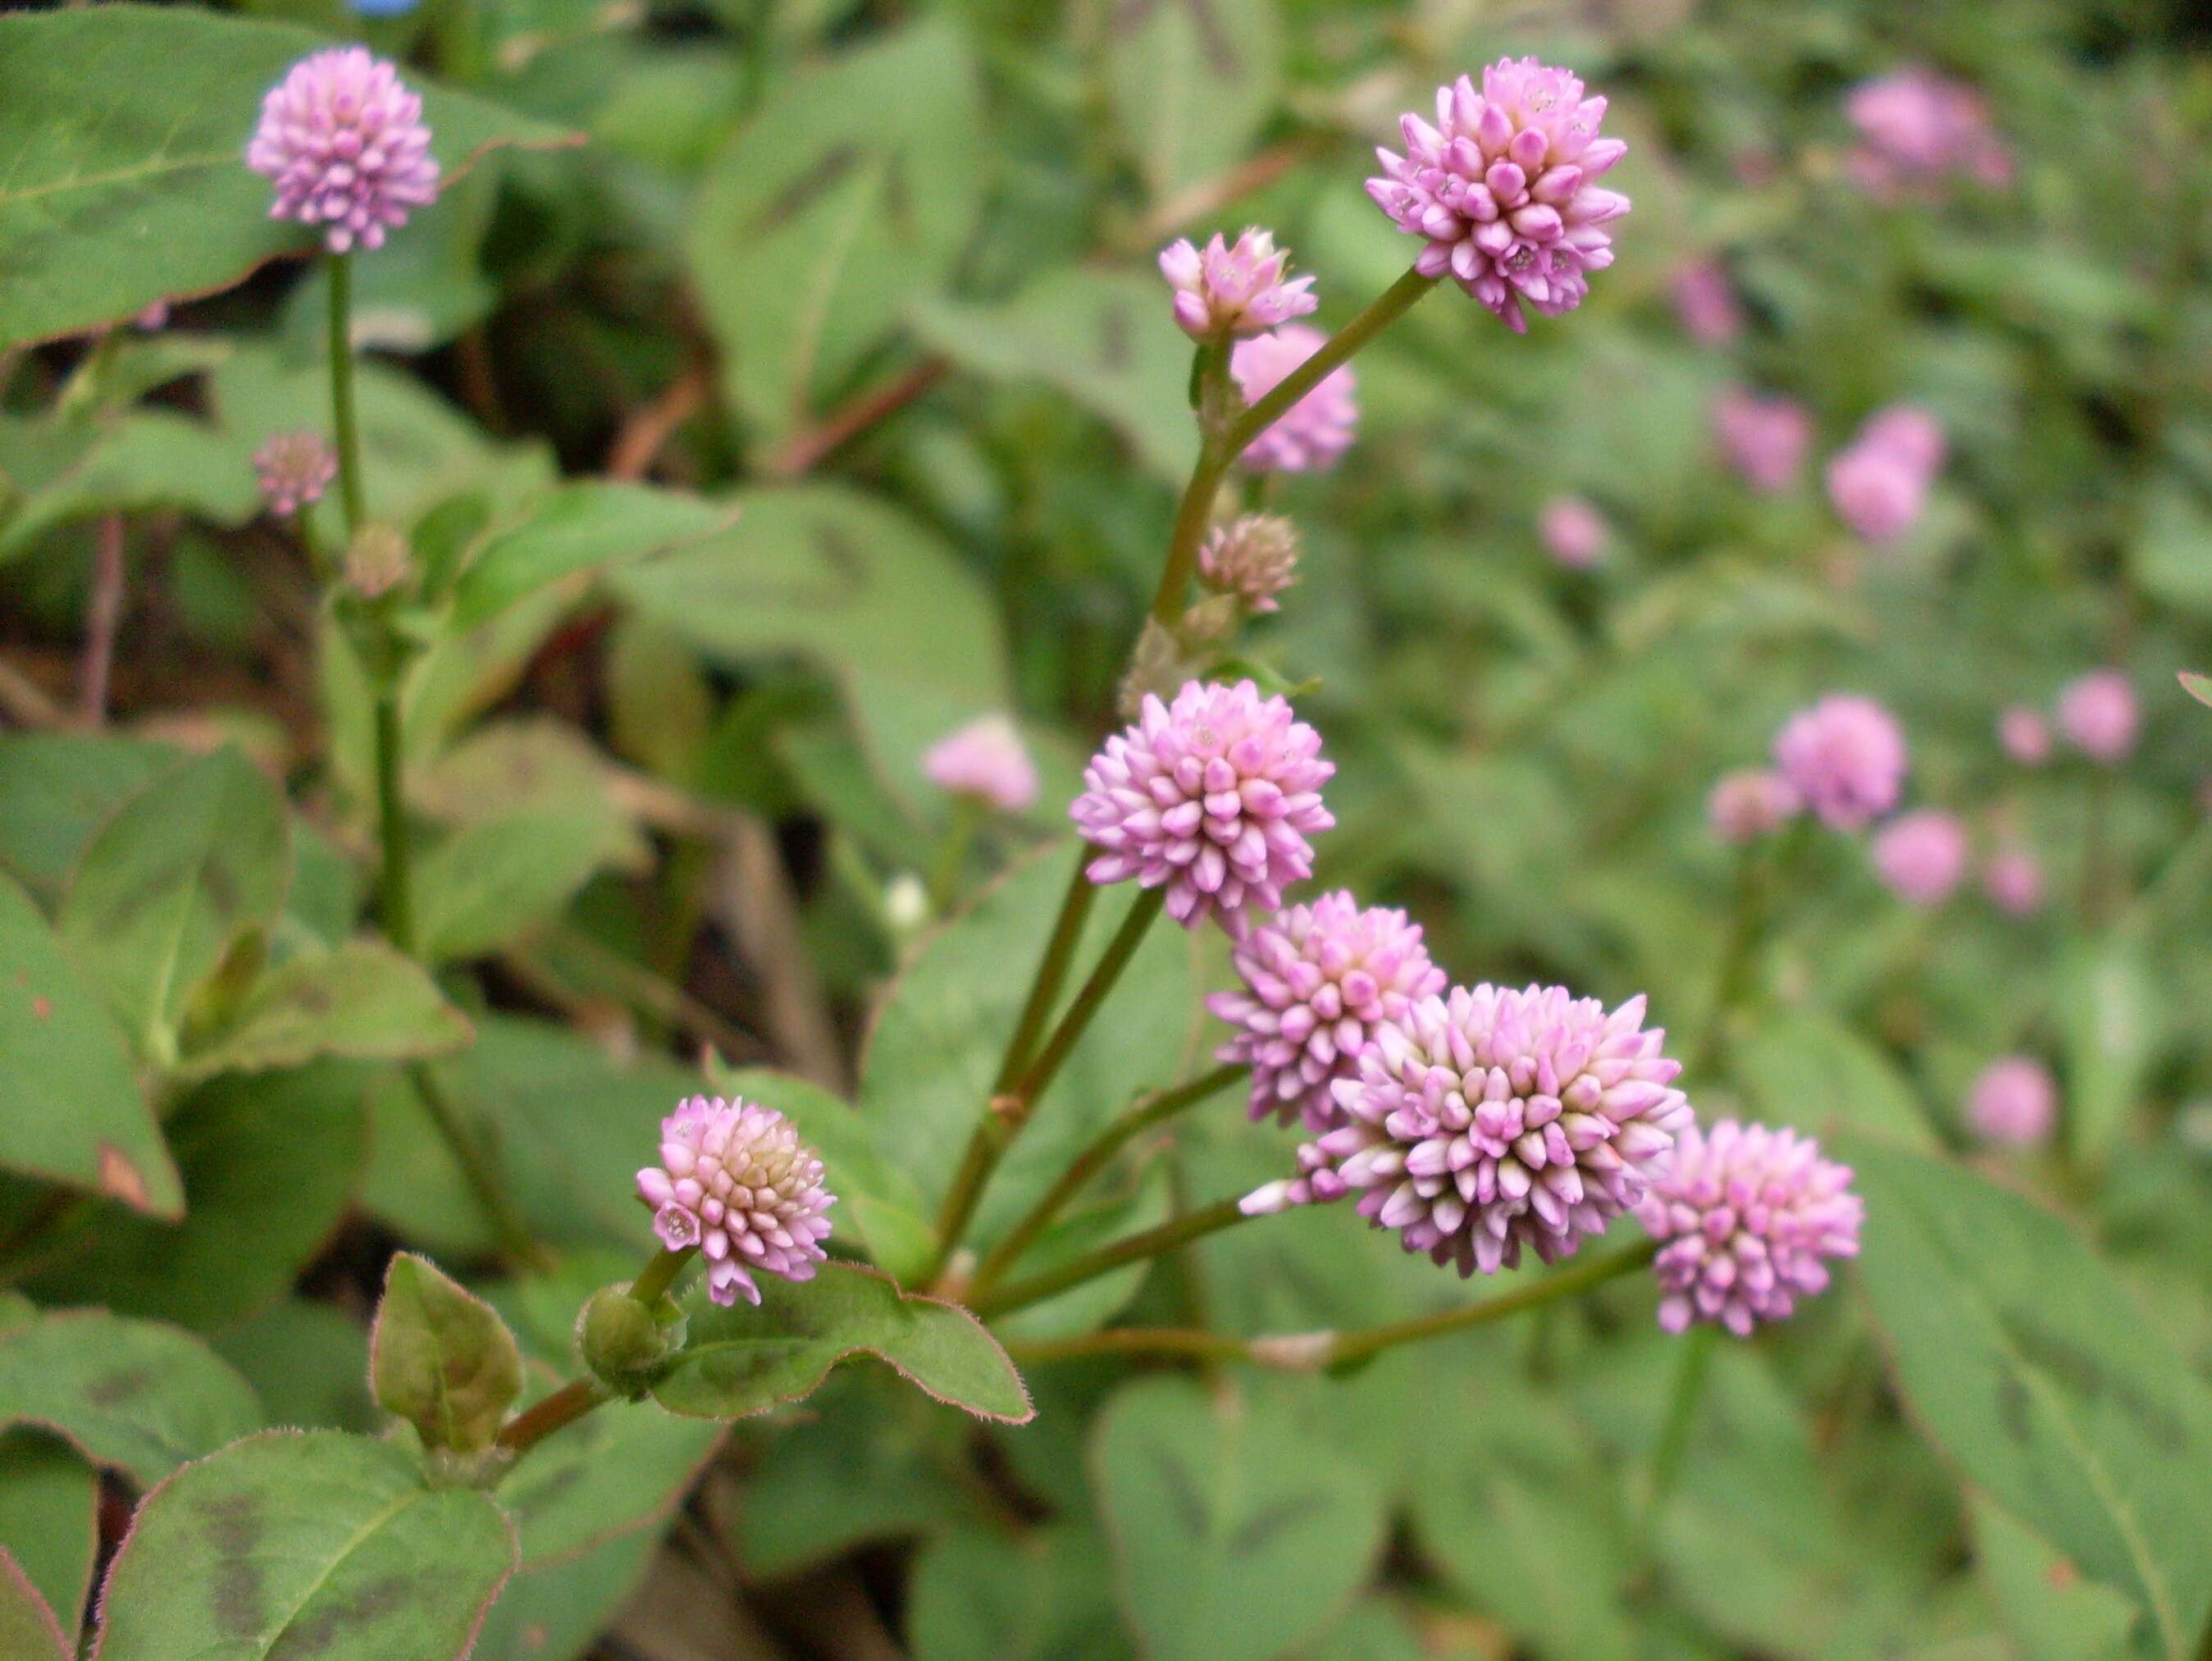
x: 800, y: 217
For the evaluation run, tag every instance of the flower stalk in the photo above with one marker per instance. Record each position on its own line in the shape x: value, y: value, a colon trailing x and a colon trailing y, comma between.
x: 1134, y: 1248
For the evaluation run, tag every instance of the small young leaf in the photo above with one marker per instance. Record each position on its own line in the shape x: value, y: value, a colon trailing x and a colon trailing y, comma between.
x: 50, y: 1521
x: 2197, y: 686
x: 2035, y: 1371
x: 28, y: 1629
x: 135, y: 1395
x: 746, y: 1360
x: 982, y: 1594
x: 362, y: 1001
x: 183, y: 868
x: 74, y: 1113
x: 440, y: 1358
x: 319, y: 1543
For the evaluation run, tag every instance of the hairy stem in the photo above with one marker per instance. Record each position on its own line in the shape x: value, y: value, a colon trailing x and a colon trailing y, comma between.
x: 1154, y: 1109
x: 1180, y: 1231
x: 563, y: 1407
x: 1387, y: 307
x: 661, y: 1274
x: 347, y: 435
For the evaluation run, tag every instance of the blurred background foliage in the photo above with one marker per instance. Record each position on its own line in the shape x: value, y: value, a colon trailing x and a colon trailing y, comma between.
x: 842, y: 328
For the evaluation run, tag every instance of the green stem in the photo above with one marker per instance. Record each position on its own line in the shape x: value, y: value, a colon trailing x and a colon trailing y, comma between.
x: 563, y: 1407
x: 348, y: 434
x: 1673, y: 1442
x: 952, y: 854
x: 1132, y: 1340
x: 1393, y: 303
x: 1181, y: 1231
x: 2096, y: 847
x: 506, y: 1221
x: 1154, y: 1109
x: 1051, y: 975
x: 396, y: 883
x: 1583, y: 1276
x: 1745, y: 924
x: 653, y: 1284
x: 1009, y: 1109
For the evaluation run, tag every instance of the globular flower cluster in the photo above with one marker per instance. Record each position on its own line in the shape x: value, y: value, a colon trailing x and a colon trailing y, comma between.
x: 293, y: 470
x: 1751, y: 803
x: 1314, y: 432
x: 1212, y: 797
x: 1765, y: 439
x: 1845, y: 756
x: 1922, y: 856
x: 1746, y: 1217
x: 343, y: 139
x: 1879, y: 483
x: 985, y: 760
x: 2023, y: 735
x: 1254, y: 557
x: 1493, y: 1119
x: 1706, y: 303
x: 1228, y: 291
x: 1574, y: 533
x: 2014, y: 1101
x: 2014, y: 881
x: 1318, y: 980
x: 735, y: 1180
x: 1917, y: 129
x: 2098, y: 715
x: 1503, y: 189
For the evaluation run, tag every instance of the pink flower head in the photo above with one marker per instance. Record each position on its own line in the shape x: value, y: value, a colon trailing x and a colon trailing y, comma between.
x: 2014, y: 881
x: 1764, y: 439
x: 1318, y: 979
x: 1910, y: 434
x: 1254, y: 557
x: 2025, y: 735
x: 1751, y: 803
x: 1574, y: 533
x: 1706, y: 304
x: 2097, y: 713
x: 1845, y: 757
x: 985, y: 759
x: 1744, y: 1217
x: 1922, y: 856
x: 2014, y: 1100
x: 1227, y: 290
x: 343, y: 140
x: 293, y: 470
x: 1212, y: 797
x: 735, y: 1180
x: 1317, y: 429
x: 1493, y: 1119
x: 1916, y: 128
x: 1876, y: 491
x: 1503, y: 189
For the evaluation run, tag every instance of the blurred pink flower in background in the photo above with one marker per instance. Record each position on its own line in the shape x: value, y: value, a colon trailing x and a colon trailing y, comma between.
x: 343, y: 139
x: 1910, y: 433
x: 1845, y: 756
x: 1745, y: 1216
x: 1765, y: 439
x: 2014, y: 881
x: 2023, y: 735
x: 1917, y: 129
x: 1313, y: 431
x: 1705, y: 303
x: 293, y: 470
x: 1224, y: 290
x: 2098, y: 715
x: 2014, y: 1101
x: 1751, y: 803
x: 985, y: 759
x: 1210, y: 797
x: 1878, y: 484
x: 1573, y: 532
x: 1503, y: 188
x: 1922, y: 856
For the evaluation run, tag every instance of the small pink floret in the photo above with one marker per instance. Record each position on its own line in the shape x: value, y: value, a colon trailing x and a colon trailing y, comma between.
x: 1226, y: 290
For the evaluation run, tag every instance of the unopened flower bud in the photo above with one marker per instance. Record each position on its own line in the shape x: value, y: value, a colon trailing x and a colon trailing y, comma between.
x: 377, y: 560
x: 624, y: 1343
x: 1253, y: 558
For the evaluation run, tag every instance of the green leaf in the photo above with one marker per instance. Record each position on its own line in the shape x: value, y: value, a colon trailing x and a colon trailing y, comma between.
x: 440, y: 1358
x: 307, y: 1361
x: 579, y: 527
x: 1807, y: 1070
x: 135, y: 1395
x: 553, y: 1613
x: 361, y: 1002
x: 852, y: 185
x: 58, y: 790
x: 270, y: 1164
x: 490, y: 883
x: 28, y: 1629
x: 869, y: 593
x: 49, y: 1523
x: 2110, y: 1006
x: 139, y: 461
x: 981, y: 1594
x: 319, y: 1543
x: 2035, y: 1371
x: 183, y: 868
x: 938, y: 1038
x: 2053, y: 1612
x: 746, y: 1360
x: 1099, y: 336
x: 1193, y: 81
x: 2197, y: 686
x: 613, y: 1473
x: 1236, y: 1536
x: 876, y: 1198
x: 532, y: 765
x: 132, y: 187
x: 74, y: 1113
